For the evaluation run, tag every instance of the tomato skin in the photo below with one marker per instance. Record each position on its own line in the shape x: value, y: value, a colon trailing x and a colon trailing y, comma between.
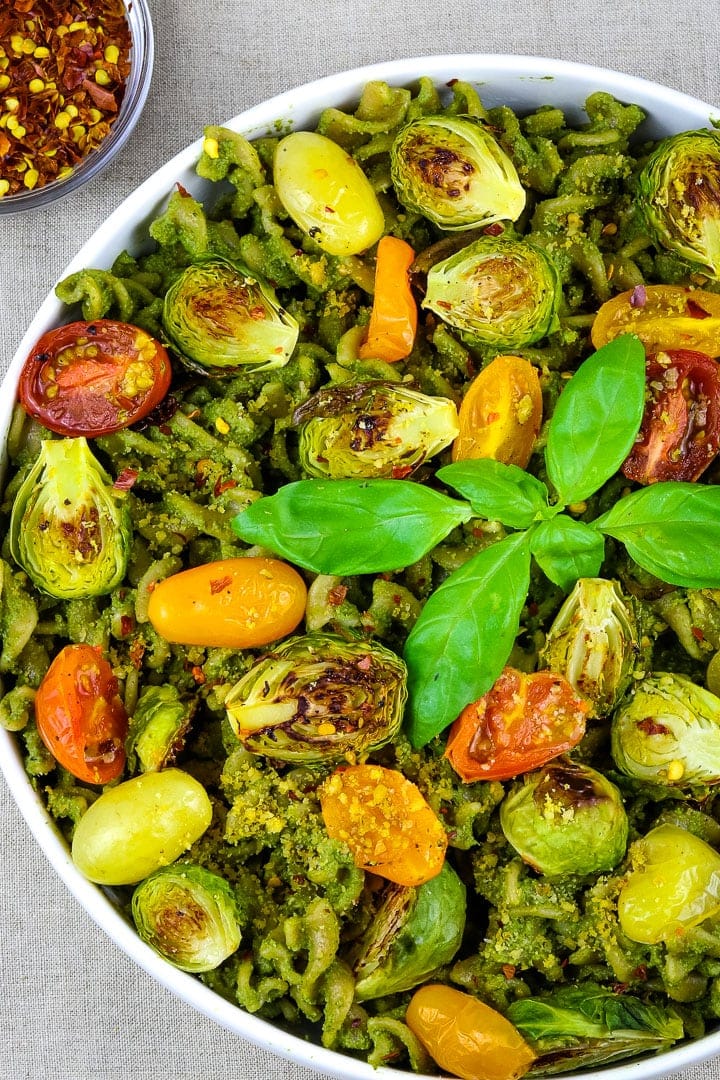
x: 680, y: 432
x: 465, y: 1036
x: 233, y: 603
x: 385, y: 821
x: 393, y: 320
x: 521, y: 723
x: 80, y: 716
x: 93, y: 378
x: 501, y: 413
x: 663, y: 317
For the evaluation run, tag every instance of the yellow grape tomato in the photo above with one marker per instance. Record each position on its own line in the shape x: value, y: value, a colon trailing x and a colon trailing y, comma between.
x: 231, y: 603
x: 674, y: 885
x: 465, y: 1036
x: 501, y: 413
x: 139, y: 826
x: 663, y: 317
x: 327, y: 194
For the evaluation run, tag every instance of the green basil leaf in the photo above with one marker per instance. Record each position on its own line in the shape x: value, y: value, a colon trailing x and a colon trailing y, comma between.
x: 497, y: 492
x: 566, y: 550
x: 596, y: 419
x: 351, y: 526
x: 461, y: 642
x: 672, y: 530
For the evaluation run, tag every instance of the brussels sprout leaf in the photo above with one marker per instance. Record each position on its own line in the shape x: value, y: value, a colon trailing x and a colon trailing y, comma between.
x: 351, y: 526
x: 498, y: 492
x: 566, y: 550
x: 460, y: 643
x: 596, y: 419
x: 671, y: 530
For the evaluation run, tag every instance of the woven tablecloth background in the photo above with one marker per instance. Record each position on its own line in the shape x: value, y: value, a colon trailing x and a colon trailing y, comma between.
x: 72, y: 1006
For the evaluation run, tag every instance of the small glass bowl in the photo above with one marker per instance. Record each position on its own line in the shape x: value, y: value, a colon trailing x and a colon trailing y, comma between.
x: 136, y: 92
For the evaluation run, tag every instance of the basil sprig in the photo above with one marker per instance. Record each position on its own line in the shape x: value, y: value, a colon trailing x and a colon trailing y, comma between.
x: 464, y: 635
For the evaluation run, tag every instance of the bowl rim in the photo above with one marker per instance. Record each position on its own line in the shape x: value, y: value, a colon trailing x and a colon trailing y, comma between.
x: 138, y: 208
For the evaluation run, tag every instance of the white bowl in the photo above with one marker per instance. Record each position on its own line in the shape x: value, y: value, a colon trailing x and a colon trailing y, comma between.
x: 521, y: 82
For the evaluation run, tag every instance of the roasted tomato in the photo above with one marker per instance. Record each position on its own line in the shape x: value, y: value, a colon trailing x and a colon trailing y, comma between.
x: 501, y: 413
x: 522, y: 722
x: 93, y: 378
x: 80, y: 716
x: 663, y: 317
x: 680, y: 431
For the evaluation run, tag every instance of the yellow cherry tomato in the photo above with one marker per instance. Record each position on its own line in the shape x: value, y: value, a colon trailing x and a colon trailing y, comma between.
x: 326, y: 193
x: 466, y: 1037
x: 385, y: 821
x: 501, y: 413
x: 232, y: 603
x: 663, y: 317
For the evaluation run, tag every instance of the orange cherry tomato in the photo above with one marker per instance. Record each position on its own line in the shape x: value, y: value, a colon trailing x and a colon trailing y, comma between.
x: 93, y: 378
x: 385, y: 821
x: 680, y: 432
x: 80, y: 716
x: 465, y: 1036
x: 501, y: 413
x: 393, y: 321
x: 232, y: 603
x: 522, y: 722
x: 663, y: 317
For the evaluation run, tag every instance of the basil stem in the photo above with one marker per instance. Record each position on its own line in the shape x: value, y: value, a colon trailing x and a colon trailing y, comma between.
x: 596, y: 419
x: 461, y: 642
x: 351, y: 526
x: 566, y: 550
x: 496, y: 491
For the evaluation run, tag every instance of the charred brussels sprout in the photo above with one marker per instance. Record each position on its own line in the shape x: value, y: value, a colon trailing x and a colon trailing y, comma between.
x: 158, y: 727
x: 188, y: 915
x: 566, y: 819
x: 69, y: 529
x: 415, y: 930
x: 496, y: 291
x: 452, y: 170
x: 372, y: 429
x: 222, y: 319
x: 679, y: 192
x: 594, y: 642
x: 319, y: 698
x: 667, y: 731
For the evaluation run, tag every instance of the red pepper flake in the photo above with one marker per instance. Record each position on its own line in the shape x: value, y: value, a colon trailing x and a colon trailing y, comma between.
x: 224, y: 485
x: 650, y: 726
x: 198, y: 675
x: 638, y: 297
x: 63, y: 80
x: 697, y: 633
x: 641, y: 972
x: 337, y: 595
x: 495, y: 229
x: 509, y: 970
x: 365, y: 663
x: 126, y: 625
x: 693, y: 309
x: 126, y: 479
x: 401, y: 471
x: 218, y: 584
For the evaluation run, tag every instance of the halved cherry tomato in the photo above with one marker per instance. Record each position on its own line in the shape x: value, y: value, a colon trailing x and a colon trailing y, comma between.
x: 663, y: 317
x: 522, y: 722
x: 385, y: 821
x: 501, y: 412
x: 93, y: 378
x: 393, y: 321
x: 80, y: 716
x: 232, y: 603
x: 465, y: 1036
x: 680, y: 431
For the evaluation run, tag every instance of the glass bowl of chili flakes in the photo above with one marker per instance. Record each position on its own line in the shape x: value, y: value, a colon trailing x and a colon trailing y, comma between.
x: 74, y: 77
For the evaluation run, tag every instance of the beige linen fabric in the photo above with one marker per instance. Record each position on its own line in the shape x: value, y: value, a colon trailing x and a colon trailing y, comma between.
x: 72, y: 1006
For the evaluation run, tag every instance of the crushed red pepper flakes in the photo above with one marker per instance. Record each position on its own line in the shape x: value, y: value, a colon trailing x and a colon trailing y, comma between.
x: 63, y: 70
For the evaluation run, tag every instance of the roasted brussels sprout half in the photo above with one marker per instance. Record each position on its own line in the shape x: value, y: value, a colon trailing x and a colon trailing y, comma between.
x: 69, y: 529
x: 594, y: 642
x: 496, y: 291
x: 415, y: 930
x: 679, y: 193
x: 452, y: 170
x: 319, y: 698
x: 566, y: 818
x: 222, y: 319
x: 188, y: 915
x: 667, y: 731
x: 158, y: 727
x: 372, y: 429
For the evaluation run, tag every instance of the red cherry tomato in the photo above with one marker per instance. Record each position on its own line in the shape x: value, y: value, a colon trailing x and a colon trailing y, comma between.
x: 680, y: 432
x: 80, y: 716
x: 522, y: 722
x: 93, y: 378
